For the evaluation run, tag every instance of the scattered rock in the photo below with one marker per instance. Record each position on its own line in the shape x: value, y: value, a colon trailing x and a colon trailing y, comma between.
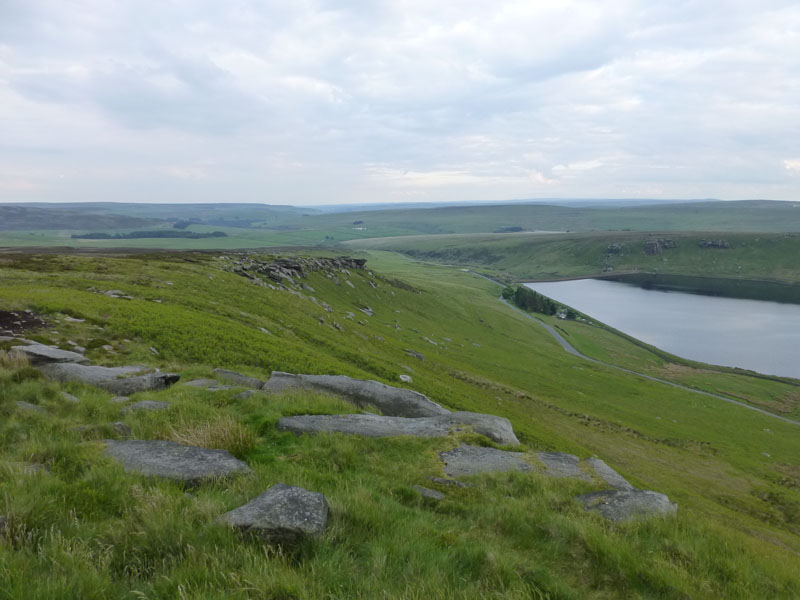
x: 449, y: 482
x: 428, y: 493
x: 497, y: 429
x: 283, y: 514
x: 28, y: 407
x: 622, y: 505
x: 188, y: 464
x: 119, y: 400
x: 247, y: 393
x: 405, y: 378
x: 146, y: 405
x: 264, y: 330
x: 74, y: 320
x: 154, y: 350
x: 367, y: 311
x: 391, y: 401
x: 70, y: 398
x: 415, y: 354
x: 39, y: 354
x: 471, y: 460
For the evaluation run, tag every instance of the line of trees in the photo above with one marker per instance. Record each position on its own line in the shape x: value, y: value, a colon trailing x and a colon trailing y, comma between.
x: 526, y: 299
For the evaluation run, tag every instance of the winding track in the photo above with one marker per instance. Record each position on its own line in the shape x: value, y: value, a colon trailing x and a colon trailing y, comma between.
x: 571, y: 350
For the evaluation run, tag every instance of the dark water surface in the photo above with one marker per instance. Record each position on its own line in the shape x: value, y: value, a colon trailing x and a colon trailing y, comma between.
x: 752, y: 334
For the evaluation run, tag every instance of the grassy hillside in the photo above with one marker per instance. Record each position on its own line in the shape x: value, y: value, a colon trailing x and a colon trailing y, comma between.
x: 530, y: 256
x: 84, y: 528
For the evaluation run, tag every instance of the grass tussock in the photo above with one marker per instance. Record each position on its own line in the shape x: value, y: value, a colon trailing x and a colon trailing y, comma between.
x: 222, y: 432
x: 13, y: 360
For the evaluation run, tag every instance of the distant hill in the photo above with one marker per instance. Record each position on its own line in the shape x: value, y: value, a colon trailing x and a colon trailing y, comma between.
x: 15, y: 218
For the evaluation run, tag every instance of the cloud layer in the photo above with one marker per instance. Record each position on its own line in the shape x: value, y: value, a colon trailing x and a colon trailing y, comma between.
x: 317, y: 101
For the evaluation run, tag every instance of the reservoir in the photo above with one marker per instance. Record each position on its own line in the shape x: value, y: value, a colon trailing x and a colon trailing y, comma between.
x: 757, y: 335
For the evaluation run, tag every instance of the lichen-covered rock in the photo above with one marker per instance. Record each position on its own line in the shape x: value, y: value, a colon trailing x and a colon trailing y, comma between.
x: 391, y: 401
x: 622, y: 505
x: 472, y: 460
x: 498, y: 429
x: 283, y: 514
x: 188, y: 464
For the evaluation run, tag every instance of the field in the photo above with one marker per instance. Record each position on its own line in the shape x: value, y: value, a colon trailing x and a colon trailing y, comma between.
x: 83, y: 528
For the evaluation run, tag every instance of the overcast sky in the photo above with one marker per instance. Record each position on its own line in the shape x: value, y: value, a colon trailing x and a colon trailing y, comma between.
x: 322, y: 102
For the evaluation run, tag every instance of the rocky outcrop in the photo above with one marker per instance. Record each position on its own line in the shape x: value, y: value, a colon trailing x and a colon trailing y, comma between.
x: 623, y: 505
x: 292, y: 268
x: 188, y: 464
x: 122, y: 381
x: 497, y: 429
x: 392, y: 401
x: 283, y: 514
x: 472, y: 460
x: 39, y: 354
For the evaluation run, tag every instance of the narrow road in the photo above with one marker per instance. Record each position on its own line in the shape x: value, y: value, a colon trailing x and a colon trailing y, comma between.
x: 572, y: 350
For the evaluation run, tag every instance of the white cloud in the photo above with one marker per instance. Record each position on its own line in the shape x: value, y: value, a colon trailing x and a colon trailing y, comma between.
x: 452, y: 100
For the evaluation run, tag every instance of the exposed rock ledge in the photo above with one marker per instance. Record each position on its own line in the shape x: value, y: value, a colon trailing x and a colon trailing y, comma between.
x: 497, y: 429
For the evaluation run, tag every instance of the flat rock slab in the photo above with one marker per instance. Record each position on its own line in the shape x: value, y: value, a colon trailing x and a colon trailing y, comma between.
x: 28, y: 407
x: 428, y: 493
x: 495, y: 428
x: 472, y: 460
x: 391, y: 401
x: 201, y: 383
x: 146, y: 405
x: 39, y: 354
x: 283, y: 514
x: 188, y: 464
x: 239, y: 379
x: 122, y: 381
x: 622, y: 505
x: 560, y: 464
x: 609, y: 475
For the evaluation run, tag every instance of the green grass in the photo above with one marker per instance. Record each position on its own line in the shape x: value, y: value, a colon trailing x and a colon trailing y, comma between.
x: 87, y: 529
x: 549, y: 256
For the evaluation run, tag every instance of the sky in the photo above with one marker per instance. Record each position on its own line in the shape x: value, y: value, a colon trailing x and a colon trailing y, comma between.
x: 321, y: 102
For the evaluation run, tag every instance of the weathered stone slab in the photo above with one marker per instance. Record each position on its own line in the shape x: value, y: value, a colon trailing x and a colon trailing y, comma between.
x: 70, y: 398
x: 201, y: 383
x: 560, y: 464
x: 471, y: 460
x: 39, y: 354
x: 28, y: 407
x: 188, y: 464
x: 122, y: 381
x: 239, y: 379
x: 495, y: 428
x: 283, y: 514
x: 428, y: 493
x: 146, y: 405
x: 622, y: 505
x: 392, y: 401
x: 609, y: 475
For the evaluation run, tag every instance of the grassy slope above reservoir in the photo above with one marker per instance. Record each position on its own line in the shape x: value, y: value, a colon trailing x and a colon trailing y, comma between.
x: 85, y: 529
x: 554, y: 256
